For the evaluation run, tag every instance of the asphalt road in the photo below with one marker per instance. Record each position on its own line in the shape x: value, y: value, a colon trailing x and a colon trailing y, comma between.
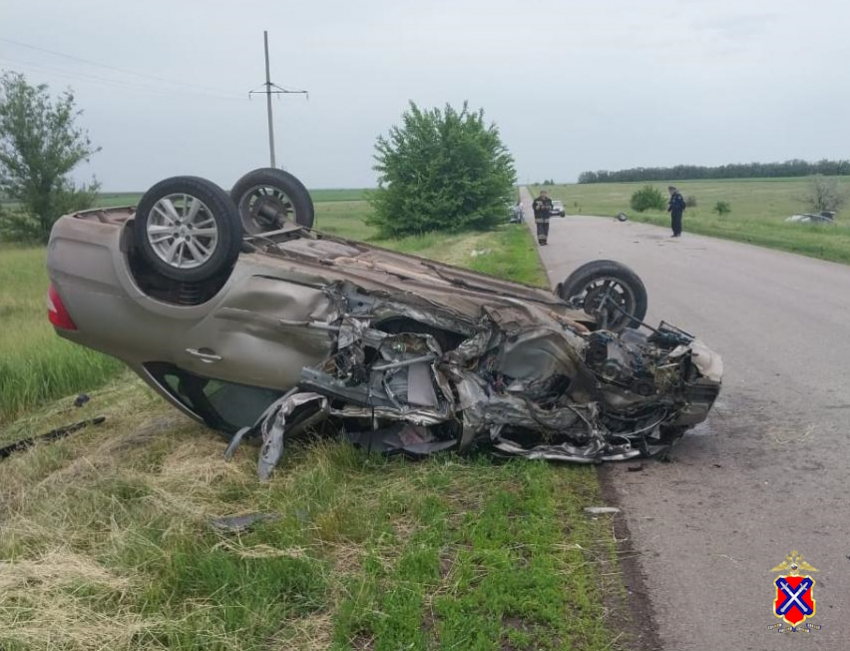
x: 768, y: 472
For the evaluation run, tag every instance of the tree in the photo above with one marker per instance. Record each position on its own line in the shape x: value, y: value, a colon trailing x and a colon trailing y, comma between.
x: 39, y: 146
x: 441, y: 170
x: 825, y: 194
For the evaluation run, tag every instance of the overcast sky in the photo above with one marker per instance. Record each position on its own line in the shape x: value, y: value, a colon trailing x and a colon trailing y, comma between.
x: 572, y: 85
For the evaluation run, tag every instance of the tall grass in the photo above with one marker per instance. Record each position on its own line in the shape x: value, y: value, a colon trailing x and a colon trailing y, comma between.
x: 106, y: 544
x: 35, y: 364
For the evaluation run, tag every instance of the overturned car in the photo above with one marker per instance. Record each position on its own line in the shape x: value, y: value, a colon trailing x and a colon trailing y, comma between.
x: 245, y: 318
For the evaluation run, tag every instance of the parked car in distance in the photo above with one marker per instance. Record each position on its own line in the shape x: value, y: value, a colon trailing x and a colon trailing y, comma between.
x: 558, y: 209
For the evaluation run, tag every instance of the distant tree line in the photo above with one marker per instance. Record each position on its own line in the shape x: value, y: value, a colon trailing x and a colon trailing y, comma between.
x: 789, y: 168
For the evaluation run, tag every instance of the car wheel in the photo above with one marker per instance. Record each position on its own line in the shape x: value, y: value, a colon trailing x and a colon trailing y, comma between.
x: 609, y: 291
x: 187, y: 229
x: 266, y: 198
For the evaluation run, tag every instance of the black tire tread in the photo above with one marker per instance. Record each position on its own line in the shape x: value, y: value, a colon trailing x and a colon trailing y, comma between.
x: 293, y: 188
x: 587, y: 272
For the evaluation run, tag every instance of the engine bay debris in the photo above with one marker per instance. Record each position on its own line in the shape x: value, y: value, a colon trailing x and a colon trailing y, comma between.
x: 519, y: 380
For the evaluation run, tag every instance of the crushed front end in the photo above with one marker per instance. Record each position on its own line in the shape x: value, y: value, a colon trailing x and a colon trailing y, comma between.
x: 520, y: 378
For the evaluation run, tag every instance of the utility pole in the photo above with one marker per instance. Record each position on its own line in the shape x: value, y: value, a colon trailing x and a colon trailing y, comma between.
x: 269, y: 98
x: 269, y: 90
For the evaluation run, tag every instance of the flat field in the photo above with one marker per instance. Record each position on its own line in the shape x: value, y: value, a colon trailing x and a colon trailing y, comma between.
x: 759, y: 208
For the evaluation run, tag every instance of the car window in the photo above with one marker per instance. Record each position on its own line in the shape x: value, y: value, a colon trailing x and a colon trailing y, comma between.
x: 223, y: 405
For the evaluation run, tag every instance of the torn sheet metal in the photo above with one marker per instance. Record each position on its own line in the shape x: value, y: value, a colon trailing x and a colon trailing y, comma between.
x: 413, y: 441
x: 287, y: 416
x: 519, y: 379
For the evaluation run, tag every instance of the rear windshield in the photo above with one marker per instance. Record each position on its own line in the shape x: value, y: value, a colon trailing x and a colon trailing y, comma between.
x: 222, y: 405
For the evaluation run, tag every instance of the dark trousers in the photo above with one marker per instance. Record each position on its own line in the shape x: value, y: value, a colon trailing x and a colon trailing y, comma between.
x: 542, y: 229
x: 676, y: 222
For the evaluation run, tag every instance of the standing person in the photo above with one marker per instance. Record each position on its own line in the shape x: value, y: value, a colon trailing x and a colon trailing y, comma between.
x: 676, y: 208
x: 542, y: 211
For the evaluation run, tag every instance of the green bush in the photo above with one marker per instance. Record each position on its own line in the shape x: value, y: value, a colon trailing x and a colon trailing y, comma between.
x: 722, y: 208
x: 441, y: 171
x: 691, y: 202
x: 648, y: 198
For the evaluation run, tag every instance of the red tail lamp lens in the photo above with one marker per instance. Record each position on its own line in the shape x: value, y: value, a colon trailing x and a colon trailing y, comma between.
x: 56, y: 311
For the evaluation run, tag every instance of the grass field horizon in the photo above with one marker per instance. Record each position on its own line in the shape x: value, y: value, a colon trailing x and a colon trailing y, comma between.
x: 758, y: 211
x: 319, y: 195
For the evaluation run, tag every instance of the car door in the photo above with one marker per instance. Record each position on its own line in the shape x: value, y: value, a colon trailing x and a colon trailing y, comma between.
x: 262, y: 333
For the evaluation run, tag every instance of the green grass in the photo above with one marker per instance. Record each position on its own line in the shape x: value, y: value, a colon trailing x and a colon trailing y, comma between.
x: 344, y: 219
x: 759, y: 208
x: 106, y: 544
x: 117, y: 199
x: 338, y: 194
x: 507, y: 252
x: 35, y: 364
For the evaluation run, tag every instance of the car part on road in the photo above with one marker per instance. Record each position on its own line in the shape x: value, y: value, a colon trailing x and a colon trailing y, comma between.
x: 52, y: 435
x: 601, y: 510
x: 622, y: 217
x: 609, y: 291
x: 267, y: 197
x: 187, y: 229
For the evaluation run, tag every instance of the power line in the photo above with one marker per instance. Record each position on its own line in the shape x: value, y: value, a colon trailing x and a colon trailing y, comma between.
x: 106, y: 81
x: 113, y: 68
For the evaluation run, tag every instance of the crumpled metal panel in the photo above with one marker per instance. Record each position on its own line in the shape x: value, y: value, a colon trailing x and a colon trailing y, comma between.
x: 513, y: 380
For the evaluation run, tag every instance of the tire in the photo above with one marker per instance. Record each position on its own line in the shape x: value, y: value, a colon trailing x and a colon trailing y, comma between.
x: 589, y: 285
x: 267, y: 197
x: 187, y: 229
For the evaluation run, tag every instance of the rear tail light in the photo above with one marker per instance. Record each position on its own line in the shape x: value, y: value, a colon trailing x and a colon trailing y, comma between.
x: 56, y: 311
